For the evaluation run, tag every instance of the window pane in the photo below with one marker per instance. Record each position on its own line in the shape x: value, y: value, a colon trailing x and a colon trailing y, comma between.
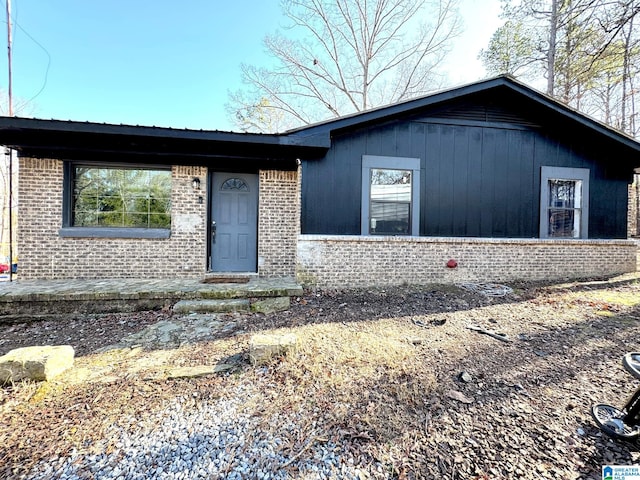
x: 565, y: 199
x: 85, y: 219
x: 109, y: 219
x: 112, y: 197
x: 390, y: 185
x: 390, y: 202
x: 565, y: 193
x: 564, y: 223
x: 159, y: 220
x: 159, y: 205
x: 235, y: 184
x: 390, y: 218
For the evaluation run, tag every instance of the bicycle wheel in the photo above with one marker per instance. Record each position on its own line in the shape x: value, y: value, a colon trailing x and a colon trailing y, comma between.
x: 631, y: 363
x: 609, y: 420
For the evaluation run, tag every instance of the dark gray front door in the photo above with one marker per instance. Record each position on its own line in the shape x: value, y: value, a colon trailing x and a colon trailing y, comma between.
x: 234, y: 222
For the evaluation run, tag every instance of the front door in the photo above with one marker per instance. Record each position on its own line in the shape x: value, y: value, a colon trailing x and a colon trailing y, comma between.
x: 234, y: 222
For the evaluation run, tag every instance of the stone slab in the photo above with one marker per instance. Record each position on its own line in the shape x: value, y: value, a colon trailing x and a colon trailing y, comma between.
x: 270, y: 305
x: 263, y: 348
x: 212, y: 306
x: 199, y: 370
x: 37, y: 363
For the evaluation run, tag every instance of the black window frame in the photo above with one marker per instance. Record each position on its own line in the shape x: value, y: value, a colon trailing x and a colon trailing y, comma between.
x: 71, y: 231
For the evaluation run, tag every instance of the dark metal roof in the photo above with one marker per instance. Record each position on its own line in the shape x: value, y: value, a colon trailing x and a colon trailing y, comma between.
x: 70, y: 139
x: 497, y: 85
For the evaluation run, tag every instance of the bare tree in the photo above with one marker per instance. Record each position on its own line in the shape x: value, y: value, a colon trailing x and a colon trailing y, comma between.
x: 345, y: 56
x: 21, y: 106
x: 588, y: 51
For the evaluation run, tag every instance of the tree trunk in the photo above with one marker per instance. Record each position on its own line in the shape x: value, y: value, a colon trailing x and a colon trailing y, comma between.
x: 626, y: 79
x: 551, y: 53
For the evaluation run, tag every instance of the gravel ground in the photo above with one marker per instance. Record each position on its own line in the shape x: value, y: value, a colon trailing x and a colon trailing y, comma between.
x: 400, y: 408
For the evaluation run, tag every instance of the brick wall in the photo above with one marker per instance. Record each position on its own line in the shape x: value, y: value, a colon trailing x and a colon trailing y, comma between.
x: 278, y: 223
x: 352, y: 261
x: 44, y: 254
x: 333, y: 261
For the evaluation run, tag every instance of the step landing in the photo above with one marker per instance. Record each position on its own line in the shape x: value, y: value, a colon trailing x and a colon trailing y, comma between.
x: 212, y: 306
x: 259, y: 304
x: 29, y: 299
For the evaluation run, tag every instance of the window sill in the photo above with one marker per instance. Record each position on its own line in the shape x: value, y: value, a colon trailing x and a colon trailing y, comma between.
x: 89, y: 232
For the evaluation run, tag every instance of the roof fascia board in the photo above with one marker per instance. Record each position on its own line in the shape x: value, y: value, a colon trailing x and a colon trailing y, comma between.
x: 138, y: 158
x: 35, y: 125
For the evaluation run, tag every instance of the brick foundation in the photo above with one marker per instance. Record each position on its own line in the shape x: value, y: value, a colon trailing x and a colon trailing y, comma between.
x: 353, y: 261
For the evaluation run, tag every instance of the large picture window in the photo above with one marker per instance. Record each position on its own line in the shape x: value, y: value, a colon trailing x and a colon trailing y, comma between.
x: 564, y: 202
x: 390, y: 195
x: 116, y: 201
x: 121, y: 197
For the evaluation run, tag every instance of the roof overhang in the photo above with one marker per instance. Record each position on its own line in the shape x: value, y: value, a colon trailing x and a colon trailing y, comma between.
x: 145, y: 144
x: 85, y: 140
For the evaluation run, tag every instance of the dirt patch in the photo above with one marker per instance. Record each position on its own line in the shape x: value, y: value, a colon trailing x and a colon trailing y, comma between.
x: 377, y: 372
x: 87, y: 333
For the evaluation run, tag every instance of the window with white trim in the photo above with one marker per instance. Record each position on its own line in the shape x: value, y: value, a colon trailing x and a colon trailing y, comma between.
x: 564, y: 202
x: 390, y: 195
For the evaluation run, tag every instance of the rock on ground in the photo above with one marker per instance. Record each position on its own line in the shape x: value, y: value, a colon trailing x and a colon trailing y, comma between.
x: 262, y: 348
x: 36, y: 363
x: 271, y: 305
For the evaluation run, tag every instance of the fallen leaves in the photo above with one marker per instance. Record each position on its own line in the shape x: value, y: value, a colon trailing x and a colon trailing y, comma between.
x: 378, y: 376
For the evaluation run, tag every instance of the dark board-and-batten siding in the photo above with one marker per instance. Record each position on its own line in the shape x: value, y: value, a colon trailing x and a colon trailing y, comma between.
x: 478, y: 180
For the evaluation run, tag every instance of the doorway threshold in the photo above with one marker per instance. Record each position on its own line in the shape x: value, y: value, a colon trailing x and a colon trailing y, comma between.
x: 229, y: 277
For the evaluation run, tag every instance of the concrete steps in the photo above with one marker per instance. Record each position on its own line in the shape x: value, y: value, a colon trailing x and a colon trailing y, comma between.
x: 212, y: 306
x: 262, y: 305
x: 22, y: 300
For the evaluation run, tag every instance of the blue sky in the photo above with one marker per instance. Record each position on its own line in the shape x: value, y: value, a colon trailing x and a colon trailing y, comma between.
x: 160, y: 62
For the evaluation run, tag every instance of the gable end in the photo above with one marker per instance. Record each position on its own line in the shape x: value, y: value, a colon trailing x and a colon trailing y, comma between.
x: 474, y: 112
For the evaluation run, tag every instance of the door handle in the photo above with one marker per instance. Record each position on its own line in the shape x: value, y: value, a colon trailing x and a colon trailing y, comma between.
x: 213, y: 231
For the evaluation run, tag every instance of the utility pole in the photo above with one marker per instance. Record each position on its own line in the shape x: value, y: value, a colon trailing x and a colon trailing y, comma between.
x: 8, y: 3
x: 10, y: 152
